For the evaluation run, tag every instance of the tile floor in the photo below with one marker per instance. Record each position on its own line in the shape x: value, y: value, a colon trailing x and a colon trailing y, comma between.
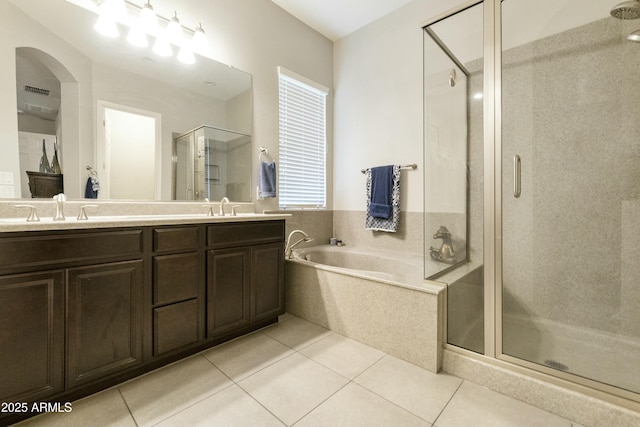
x: 298, y: 374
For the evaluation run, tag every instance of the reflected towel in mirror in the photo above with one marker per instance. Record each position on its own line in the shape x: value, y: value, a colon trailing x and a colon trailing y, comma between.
x: 267, y: 180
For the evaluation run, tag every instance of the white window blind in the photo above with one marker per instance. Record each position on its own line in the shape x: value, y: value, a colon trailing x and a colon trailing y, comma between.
x: 302, y: 169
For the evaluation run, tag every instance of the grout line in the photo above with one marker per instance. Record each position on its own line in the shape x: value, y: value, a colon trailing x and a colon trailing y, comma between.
x: 320, y: 404
x: 127, y: 405
x: 260, y: 403
x: 447, y: 404
x: 213, y: 393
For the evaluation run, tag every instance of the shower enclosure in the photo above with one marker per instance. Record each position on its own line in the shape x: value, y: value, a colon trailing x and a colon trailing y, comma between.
x: 561, y: 187
x: 211, y: 163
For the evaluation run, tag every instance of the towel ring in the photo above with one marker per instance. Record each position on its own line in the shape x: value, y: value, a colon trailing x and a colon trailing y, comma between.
x: 263, y: 152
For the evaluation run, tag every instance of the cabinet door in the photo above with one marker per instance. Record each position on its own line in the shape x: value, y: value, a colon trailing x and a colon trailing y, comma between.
x: 31, y: 336
x: 228, y: 290
x: 267, y: 286
x: 104, y: 323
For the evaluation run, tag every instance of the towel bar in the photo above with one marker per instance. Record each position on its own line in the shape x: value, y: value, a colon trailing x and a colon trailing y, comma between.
x: 409, y: 166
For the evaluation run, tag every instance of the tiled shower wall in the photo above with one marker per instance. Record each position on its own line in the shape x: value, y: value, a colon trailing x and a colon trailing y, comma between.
x: 572, y: 241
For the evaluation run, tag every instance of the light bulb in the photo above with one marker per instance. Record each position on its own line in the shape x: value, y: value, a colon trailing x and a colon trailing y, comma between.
x: 175, y: 30
x: 199, y: 38
x: 148, y: 19
x: 106, y: 26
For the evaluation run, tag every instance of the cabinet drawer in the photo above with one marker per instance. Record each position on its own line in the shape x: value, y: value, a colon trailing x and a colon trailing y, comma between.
x: 52, y: 249
x: 175, y: 238
x: 175, y: 326
x: 175, y: 277
x: 221, y: 235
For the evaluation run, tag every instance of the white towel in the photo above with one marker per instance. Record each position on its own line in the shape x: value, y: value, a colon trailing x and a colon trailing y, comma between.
x: 381, y: 224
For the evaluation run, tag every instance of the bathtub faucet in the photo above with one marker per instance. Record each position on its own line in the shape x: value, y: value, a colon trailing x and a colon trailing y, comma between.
x: 289, y: 248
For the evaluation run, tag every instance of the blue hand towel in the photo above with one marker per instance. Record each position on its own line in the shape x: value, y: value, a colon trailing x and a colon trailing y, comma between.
x: 267, y: 180
x: 381, y: 188
x: 389, y: 224
x: 90, y: 190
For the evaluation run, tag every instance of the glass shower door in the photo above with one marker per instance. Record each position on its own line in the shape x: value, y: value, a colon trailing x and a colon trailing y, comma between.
x: 571, y: 191
x: 453, y: 172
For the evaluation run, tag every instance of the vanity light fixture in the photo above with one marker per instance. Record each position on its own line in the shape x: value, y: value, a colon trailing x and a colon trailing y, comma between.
x: 148, y: 23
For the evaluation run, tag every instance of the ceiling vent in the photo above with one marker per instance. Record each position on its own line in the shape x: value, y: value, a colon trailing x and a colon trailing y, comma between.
x: 37, y: 90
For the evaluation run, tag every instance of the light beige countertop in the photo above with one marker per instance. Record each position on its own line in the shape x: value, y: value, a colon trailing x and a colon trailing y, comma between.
x: 122, y: 214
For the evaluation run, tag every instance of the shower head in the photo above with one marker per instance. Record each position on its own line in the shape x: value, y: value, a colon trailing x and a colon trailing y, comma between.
x: 626, y: 10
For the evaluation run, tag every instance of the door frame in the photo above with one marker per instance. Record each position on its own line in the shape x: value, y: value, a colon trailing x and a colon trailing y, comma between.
x: 100, y: 149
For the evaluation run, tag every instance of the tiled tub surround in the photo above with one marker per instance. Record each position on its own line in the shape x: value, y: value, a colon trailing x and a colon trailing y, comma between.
x: 401, y: 316
x: 348, y: 226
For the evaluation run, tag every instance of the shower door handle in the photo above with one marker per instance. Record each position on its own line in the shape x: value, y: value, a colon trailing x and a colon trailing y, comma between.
x: 516, y: 176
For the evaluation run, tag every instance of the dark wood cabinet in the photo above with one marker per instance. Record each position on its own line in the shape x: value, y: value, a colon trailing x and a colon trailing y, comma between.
x: 178, y: 291
x: 228, y: 290
x: 267, y: 287
x: 85, y: 309
x: 104, y: 320
x: 31, y: 336
x: 245, y: 279
x: 175, y: 326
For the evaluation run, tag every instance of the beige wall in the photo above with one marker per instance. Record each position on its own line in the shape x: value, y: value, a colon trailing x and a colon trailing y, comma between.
x: 378, y: 81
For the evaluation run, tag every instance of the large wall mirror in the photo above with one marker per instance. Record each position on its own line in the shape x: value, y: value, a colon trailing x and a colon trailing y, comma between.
x: 100, y: 103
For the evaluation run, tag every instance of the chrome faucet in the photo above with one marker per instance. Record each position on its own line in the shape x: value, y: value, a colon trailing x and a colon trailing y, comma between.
x: 59, y: 199
x: 222, y: 202
x: 289, y: 248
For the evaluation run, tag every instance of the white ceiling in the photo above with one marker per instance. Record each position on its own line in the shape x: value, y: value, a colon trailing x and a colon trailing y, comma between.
x: 338, y: 18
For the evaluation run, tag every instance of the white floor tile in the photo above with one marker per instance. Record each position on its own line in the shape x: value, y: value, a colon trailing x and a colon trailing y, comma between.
x: 345, y: 356
x: 293, y: 386
x: 230, y: 407
x: 298, y: 373
x: 355, y: 406
x: 411, y: 387
x: 295, y: 332
x: 244, y: 356
x: 166, y: 391
x: 481, y: 407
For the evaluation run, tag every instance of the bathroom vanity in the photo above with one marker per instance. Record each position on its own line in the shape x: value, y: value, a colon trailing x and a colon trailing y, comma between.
x: 86, y: 308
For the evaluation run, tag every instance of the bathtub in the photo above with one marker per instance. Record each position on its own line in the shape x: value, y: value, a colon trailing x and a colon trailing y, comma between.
x: 371, y: 296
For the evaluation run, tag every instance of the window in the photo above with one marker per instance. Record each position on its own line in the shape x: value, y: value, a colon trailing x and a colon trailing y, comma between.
x: 302, y: 177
